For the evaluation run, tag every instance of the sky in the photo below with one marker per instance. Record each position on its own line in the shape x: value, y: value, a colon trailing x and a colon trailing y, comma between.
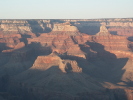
x: 65, y: 9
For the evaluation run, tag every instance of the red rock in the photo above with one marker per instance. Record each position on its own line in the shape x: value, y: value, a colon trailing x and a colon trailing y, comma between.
x: 92, y: 66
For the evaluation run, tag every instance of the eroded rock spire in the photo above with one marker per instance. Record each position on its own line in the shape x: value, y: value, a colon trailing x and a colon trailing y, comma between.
x: 103, y: 31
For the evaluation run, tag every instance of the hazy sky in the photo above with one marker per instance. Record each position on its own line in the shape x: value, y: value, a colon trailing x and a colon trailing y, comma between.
x: 65, y: 9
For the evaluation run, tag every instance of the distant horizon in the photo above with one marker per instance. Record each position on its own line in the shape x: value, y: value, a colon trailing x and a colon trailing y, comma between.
x: 63, y: 18
x: 65, y: 9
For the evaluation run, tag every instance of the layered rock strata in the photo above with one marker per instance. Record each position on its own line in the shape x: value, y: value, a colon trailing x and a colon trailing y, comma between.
x: 64, y: 63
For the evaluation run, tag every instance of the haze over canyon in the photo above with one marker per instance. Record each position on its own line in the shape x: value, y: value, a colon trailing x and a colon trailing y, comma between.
x: 66, y: 59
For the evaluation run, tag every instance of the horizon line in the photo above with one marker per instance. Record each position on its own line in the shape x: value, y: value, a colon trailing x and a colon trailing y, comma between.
x: 65, y: 18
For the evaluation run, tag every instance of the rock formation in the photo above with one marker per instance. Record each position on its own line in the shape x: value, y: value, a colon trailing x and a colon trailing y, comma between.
x: 103, y: 31
x: 45, y: 62
x: 43, y: 59
x: 117, y: 45
x: 64, y: 27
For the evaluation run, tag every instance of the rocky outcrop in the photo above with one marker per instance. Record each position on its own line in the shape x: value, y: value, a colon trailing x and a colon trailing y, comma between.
x: 15, y: 25
x: 45, y: 62
x: 112, y: 43
x: 68, y: 66
x: 64, y: 27
x: 103, y: 31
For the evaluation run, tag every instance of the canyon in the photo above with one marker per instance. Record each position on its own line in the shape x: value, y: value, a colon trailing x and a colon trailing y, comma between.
x: 66, y: 59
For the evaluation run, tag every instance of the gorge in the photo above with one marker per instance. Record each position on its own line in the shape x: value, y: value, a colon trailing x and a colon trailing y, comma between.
x: 66, y: 59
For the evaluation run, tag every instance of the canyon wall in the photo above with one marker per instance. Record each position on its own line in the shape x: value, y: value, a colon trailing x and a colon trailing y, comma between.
x: 90, y: 26
x: 66, y: 59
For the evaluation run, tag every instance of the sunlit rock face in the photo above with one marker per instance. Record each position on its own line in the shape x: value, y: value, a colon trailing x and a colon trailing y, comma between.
x: 53, y: 59
x: 112, y: 43
x: 103, y: 31
x: 62, y: 42
x: 15, y: 26
x: 46, y: 62
x: 64, y: 27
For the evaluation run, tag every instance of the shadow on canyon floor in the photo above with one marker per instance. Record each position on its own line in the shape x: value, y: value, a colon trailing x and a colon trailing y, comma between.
x: 4, y: 56
x: 130, y: 38
x: 53, y: 87
x: 54, y: 90
x: 113, y: 32
x: 35, y: 27
x: 90, y: 28
x: 24, y: 38
x: 3, y: 47
x: 38, y: 29
x: 107, y: 64
x: 23, y: 57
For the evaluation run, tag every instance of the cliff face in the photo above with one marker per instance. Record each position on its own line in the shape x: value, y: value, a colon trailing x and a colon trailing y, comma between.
x: 11, y: 41
x: 50, y: 60
x: 122, y: 27
x: 115, y: 26
x: 61, y: 42
x: 29, y: 28
x: 64, y: 27
x: 111, y: 42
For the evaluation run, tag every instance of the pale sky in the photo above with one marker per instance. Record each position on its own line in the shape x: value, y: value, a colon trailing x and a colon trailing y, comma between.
x: 65, y: 9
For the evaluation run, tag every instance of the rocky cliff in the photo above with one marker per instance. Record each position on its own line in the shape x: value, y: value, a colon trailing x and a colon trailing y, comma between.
x: 43, y: 59
x: 89, y: 26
